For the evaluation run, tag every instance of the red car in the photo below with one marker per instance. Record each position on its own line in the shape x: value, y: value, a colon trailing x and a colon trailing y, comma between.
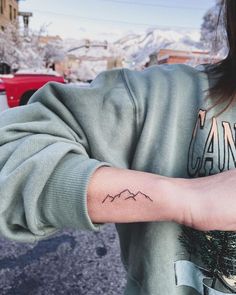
x: 18, y: 88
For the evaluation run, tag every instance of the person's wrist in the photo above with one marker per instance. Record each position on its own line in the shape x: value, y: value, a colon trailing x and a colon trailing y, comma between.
x: 174, y: 201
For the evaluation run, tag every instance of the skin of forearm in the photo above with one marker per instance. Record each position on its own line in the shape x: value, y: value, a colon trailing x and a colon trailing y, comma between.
x: 121, y: 195
x: 210, y: 202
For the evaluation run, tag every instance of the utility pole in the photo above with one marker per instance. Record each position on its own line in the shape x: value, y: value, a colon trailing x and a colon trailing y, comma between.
x: 26, y: 16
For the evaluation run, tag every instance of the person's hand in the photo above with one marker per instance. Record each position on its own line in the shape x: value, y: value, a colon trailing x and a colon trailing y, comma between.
x: 210, y: 202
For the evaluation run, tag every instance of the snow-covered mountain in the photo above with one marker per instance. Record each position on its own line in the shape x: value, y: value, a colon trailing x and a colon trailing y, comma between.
x: 134, y: 48
x: 138, y: 48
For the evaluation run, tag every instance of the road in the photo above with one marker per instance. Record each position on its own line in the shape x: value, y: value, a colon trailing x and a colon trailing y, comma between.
x: 70, y: 262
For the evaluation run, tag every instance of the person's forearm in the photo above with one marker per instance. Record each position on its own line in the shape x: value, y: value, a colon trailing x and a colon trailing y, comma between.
x: 122, y: 195
x: 210, y: 201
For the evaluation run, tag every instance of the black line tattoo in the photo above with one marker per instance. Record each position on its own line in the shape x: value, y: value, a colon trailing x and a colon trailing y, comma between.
x: 126, y: 195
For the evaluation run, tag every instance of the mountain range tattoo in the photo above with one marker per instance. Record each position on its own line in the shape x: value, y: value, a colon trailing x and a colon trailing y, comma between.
x: 127, y: 195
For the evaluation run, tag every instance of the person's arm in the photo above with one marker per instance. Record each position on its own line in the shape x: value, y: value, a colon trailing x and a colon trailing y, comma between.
x: 206, y: 203
x: 210, y: 201
x: 52, y: 152
x: 123, y: 195
x: 50, y: 148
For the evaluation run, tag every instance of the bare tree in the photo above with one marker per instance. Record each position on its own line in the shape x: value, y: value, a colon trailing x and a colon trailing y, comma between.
x: 212, y: 30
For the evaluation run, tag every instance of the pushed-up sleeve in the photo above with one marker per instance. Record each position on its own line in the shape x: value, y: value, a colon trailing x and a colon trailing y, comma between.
x: 50, y: 148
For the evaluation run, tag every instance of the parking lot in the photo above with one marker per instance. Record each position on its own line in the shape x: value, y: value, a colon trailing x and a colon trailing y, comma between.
x: 71, y: 262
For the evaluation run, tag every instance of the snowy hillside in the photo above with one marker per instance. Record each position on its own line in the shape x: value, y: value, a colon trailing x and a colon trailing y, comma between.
x: 138, y: 48
x: 134, y: 49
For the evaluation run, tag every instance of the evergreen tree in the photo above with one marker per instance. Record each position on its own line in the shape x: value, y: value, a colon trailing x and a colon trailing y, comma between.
x: 217, y: 250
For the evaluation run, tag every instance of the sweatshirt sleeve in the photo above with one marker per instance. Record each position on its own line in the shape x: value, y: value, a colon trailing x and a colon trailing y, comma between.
x: 50, y: 148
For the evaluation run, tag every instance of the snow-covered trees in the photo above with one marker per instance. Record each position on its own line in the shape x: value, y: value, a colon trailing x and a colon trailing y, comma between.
x: 10, y: 46
x: 212, y: 30
x: 22, y: 52
x: 53, y: 52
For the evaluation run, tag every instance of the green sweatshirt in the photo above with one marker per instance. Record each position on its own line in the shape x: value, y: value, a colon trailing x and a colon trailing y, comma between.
x: 155, y: 120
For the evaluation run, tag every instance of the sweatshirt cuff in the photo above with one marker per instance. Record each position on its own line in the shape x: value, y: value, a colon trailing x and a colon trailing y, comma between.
x: 64, y: 199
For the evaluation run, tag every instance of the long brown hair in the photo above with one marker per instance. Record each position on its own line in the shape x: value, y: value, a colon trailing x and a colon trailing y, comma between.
x: 224, y: 71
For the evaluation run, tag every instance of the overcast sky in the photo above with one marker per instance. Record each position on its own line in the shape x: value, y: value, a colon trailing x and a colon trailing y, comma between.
x: 105, y: 19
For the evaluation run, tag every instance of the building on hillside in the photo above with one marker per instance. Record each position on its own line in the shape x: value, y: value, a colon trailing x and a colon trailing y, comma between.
x: 171, y: 56
x: 8, y: 12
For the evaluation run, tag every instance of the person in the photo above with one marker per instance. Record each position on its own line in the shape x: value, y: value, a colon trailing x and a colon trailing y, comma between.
x: 131, y: 149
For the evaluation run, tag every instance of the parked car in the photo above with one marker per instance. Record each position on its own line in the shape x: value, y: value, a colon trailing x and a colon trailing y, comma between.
x: 18, y: 88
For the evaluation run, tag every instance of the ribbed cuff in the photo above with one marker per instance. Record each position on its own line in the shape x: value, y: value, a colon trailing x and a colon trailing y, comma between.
x: 64, y: 198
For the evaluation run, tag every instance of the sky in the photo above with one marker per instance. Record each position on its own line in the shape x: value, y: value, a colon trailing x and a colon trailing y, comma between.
x: 110, y: 19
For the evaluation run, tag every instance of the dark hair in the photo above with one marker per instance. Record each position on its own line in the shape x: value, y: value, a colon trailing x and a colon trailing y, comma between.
x: 224, y: 71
